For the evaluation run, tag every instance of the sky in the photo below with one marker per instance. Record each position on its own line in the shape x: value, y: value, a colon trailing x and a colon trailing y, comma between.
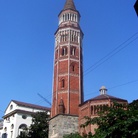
x: 110, y: 49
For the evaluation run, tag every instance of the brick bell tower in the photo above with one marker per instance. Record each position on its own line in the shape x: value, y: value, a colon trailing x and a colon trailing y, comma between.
x: 68, y: 72
x: 68, y: 77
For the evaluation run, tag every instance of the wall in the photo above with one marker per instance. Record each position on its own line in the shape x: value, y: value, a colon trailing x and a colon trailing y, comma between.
x: 62, y: 124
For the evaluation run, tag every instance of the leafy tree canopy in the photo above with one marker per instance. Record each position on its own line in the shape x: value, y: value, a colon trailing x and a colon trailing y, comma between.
x: 72, y: 135
x: 119, y: 121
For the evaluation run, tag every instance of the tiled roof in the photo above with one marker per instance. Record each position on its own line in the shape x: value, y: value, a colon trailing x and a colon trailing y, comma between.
x: 105, y: 97
x: 69, y: 5
x: 31, y: 105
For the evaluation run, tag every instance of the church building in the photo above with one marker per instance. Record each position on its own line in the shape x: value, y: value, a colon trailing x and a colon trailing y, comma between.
x: 68, y: 105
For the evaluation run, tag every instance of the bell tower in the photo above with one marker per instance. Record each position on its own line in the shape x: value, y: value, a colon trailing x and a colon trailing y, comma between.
x: 68, y: 73
x: 68, y: 62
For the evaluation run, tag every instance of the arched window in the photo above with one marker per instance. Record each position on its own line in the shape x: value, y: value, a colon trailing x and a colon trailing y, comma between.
x: 62, y: 83
x: 63, y: 17
x: 11, y: 107
x: 4, y: 135
x: 75, y: 18
x: 5, y: 129
x: 91, y: 110
x: 73, y: 51
x: 68, y: 16
x: 73, y: 68
x: 21, y: 128
x: 12, y: 126
x: 64, y: 51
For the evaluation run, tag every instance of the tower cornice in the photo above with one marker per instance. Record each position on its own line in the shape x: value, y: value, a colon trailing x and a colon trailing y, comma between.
x: 71, y: 27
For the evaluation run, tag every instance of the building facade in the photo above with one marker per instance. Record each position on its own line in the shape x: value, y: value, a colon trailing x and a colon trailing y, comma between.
x: 1, y: 127
x: 68, y: 108
x: 92, y: 106
x: 68, y: 73
x: 17, y: 117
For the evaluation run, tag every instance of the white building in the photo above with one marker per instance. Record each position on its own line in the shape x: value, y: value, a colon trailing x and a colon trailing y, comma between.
x: 1, y: 126
x: 18, y: 116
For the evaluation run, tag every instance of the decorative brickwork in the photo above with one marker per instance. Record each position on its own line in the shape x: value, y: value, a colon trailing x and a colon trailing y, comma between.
x: 68, y: 76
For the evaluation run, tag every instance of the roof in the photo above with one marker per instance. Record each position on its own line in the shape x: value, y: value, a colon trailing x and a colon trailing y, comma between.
x: 31, y: 105
x: 105, y: 97
x: 69, y: 5
x: 18, y: 111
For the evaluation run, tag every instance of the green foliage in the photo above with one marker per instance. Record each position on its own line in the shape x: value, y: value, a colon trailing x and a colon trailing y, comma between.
x: 77, y: 135
x: 72, y: 135
x: 38, y: 128
x: 119, y: 121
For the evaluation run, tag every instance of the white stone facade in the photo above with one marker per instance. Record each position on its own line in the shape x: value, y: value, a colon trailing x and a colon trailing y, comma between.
x: 17, y: 116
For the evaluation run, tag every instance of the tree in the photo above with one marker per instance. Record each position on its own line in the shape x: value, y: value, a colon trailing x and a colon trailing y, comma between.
x: 72, y: 135
x: 119, y: 121
x: 77, y: 135
x: 38, y: 128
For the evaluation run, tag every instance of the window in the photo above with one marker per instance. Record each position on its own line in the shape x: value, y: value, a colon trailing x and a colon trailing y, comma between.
x: 11, y: 134
x: 24, y: 116
x: 62, y: 83
x: 21, y: 128
x: 73, y: 51
x: 12, y: 126
x: 63, y: 17
x: 4, y: 135
x: 73, y: 68
x: 5, y: 129
x: 11, y: 107
x: 64, y: 51
x: 95, y: 109
x: 92, y: 110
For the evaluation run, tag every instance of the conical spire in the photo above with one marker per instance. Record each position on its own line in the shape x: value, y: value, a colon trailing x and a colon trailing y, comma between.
x: 69, y: 5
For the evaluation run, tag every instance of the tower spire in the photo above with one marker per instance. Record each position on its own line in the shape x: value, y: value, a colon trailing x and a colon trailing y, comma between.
x: 69, y: 5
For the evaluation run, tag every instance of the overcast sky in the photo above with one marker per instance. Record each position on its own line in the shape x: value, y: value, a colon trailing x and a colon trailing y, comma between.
x: 110, y: 48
